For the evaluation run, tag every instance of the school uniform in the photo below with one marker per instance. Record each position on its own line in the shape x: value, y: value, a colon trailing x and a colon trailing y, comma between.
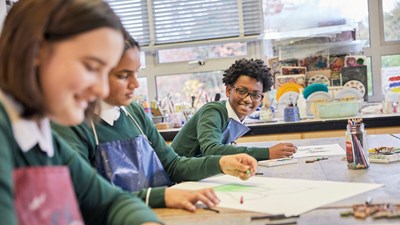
x: 206, y: 133
x: 26, y: 148
x: 129, y: 123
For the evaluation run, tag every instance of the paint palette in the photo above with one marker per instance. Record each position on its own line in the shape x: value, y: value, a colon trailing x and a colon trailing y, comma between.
x: 289, y: 97
x: 356, y: 85
x: 321, y: 79
x: 319, y: 96
x: 348, y: 93
x: 288, y: 87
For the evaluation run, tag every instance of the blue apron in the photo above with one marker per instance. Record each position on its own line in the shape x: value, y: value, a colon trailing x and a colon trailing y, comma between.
x: 130, y: 164
x: 233, y: 131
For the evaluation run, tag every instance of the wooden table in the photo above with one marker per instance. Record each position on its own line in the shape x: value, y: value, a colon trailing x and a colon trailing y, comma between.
x: 333, y: 169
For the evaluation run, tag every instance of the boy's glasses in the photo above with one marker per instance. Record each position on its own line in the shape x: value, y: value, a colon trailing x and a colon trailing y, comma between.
x: 243, y: 93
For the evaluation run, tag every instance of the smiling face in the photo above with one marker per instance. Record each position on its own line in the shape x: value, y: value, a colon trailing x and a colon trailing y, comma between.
x: 75, y: 71
x: 123, y: 78
x: 243, y: 107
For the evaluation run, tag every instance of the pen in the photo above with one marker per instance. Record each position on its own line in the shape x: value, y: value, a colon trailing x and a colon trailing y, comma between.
x: 272, y: 217
x: 316, y: 159
x: 282, y: 222
x: 210, y: 209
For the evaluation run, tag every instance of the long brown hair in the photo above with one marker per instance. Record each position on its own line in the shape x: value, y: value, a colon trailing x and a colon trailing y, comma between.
x: 28, y: 24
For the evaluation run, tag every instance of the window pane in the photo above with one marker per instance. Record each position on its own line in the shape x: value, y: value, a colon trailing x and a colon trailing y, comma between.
x: 390, y: 61
x: 142, y: 91
x: 134, y: 16
x: 333, y: 26
x: 369, y: 74
x: 142, y: 60
x: 203, y: 86
x: 202, y: 52
x: 391, y: 17
x: 189, y: 20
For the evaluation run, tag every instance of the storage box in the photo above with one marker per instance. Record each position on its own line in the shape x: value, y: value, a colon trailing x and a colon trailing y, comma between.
x: 335, y: 109
x: 380, y: 158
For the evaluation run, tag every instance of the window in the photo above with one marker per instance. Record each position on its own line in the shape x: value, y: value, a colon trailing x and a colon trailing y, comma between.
x: 202, y: 52
x: 391, y: 19
x: 142, y: 91
x: 161, y: 22
x: 204, y: 86
x: 333, y: 29
x: 390, y: 61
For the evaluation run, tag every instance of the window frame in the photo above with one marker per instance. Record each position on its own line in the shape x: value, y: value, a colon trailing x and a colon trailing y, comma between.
x: 154, y: 69
x: 378, y: 47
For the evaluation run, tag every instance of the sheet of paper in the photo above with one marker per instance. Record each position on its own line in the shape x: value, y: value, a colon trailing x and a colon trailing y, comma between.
x: 277, y: 195
x: 319, y: 150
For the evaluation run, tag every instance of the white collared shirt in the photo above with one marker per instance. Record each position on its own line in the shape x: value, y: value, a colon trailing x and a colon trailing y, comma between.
x: 28, y: 133
x: 231, y: 113
x: 109, y: 113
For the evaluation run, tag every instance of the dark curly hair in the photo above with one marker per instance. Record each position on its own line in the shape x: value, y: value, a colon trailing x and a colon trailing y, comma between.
x: 254, y: 68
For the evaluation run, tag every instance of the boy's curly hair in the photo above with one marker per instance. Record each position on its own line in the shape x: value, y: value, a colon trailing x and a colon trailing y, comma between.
x: 254, y: 68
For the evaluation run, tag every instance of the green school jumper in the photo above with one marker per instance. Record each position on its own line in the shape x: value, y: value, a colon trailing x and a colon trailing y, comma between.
x: 178, y: 168
x: 202, y: 135
x: 99, y: 202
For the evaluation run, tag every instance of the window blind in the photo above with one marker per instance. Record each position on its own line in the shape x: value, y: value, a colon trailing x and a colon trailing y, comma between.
x: 134, y: 16
x: 177, y: 21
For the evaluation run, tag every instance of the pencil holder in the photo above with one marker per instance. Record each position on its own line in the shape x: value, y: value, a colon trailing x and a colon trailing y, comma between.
x: 356, y: 146
x: 291, y: 114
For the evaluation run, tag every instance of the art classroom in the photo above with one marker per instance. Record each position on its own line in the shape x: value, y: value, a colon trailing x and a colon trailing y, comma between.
x: 227, y: 112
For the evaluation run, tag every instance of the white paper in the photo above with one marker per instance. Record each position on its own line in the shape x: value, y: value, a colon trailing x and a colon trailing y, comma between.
x: 319, y: 150
x: 277, y: 195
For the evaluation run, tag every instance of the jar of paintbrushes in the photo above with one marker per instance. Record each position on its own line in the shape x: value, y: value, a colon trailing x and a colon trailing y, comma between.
x: 356, y: 145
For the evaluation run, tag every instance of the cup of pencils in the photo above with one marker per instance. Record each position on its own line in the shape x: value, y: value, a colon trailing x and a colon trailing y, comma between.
x: 356, y: 145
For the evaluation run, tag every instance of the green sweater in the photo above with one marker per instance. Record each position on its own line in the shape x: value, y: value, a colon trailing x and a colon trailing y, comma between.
x: 178, y: 168
x: 202, y: 135
x: 99, y: 202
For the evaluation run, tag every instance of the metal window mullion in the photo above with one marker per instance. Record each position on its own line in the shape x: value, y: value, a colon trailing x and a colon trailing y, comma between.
x: 151, y: 22
x: 374, y: 50
x: 241, y: 18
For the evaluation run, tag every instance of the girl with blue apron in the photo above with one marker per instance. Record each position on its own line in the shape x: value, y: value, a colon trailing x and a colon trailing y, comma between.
x: 130, y: 164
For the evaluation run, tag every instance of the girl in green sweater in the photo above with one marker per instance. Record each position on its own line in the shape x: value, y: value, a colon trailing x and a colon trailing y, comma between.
x: 124, y: 132
x: 51, y: 67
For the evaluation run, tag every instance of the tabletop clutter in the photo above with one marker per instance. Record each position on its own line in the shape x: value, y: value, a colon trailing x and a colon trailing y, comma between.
x: 173, y: 112
x: 318, y: 101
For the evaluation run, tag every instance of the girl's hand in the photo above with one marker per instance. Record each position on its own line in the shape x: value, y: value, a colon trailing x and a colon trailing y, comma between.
x: 187, y: 199
x: 238, y: 165
x: 282, y: 150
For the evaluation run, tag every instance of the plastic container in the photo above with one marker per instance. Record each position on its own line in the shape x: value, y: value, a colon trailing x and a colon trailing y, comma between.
x: 335, y: 109
x: 356, y: 147
x: 302, y: 105
x: 158, y: 119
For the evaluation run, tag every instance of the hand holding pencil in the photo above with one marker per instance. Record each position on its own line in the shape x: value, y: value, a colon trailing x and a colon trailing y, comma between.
x: 282, y: 150
x: 238, y: 165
